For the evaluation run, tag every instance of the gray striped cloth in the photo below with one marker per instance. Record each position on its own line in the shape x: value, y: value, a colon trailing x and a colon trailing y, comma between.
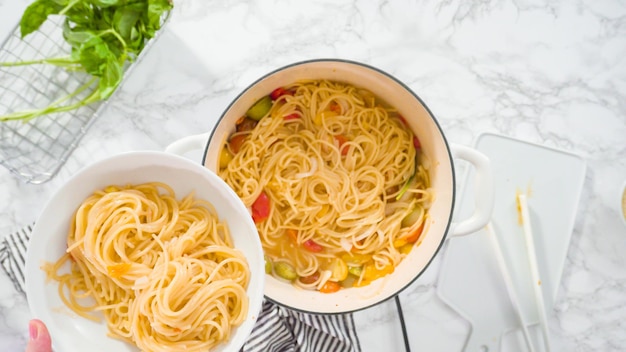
x: 277, y: 329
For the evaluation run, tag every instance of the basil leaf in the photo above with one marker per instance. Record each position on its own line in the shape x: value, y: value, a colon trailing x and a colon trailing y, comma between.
x: 36, y: 14
x: 126, y: 17
x: 136, y: 40
x: 82, y: 14
x: 79, y: 37
x: 156, y: 9
x: 93, y: 57
x: 111, y: 77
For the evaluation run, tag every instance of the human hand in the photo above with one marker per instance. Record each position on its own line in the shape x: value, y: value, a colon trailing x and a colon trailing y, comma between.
x: 39, y: 337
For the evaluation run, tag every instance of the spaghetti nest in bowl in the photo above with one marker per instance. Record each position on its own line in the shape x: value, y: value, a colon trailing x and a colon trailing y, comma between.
x: 162, y: 271
x: 335, y: 181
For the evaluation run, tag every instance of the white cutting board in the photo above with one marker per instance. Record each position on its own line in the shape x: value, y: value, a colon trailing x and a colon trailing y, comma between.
x: 470, y: 280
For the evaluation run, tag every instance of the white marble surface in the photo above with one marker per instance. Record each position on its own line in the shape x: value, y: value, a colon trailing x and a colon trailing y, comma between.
x: 551, y: 72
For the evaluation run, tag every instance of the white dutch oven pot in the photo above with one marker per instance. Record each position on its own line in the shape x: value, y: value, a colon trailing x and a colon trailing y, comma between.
x: 434, y: 145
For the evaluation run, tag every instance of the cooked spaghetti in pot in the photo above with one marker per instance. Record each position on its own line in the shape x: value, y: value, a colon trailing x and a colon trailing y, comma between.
x: 334, y: 180
x: 163, y: 272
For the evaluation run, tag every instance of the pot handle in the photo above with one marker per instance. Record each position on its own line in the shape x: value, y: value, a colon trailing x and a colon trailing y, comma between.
x: 187, y: 144
x: 484, y: 191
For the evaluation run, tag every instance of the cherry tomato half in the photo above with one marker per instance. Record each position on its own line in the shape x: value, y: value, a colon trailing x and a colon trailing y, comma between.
x: 261, y: 208
x: 311, y: 246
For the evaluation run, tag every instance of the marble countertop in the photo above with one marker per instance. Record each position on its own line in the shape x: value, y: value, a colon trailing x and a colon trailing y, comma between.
x: 551, y: 72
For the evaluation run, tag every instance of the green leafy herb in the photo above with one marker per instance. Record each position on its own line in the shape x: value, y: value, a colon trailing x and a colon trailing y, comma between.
x: 104, y: 35
x: 36, y: 14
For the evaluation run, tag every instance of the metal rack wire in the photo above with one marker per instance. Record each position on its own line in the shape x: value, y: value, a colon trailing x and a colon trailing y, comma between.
x: 35, y: 150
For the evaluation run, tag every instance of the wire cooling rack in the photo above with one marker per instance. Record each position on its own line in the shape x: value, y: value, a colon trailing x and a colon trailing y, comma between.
x: 35, y: 150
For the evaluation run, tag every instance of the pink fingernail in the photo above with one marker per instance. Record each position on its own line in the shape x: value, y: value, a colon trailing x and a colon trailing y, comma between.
x: 33, y: 331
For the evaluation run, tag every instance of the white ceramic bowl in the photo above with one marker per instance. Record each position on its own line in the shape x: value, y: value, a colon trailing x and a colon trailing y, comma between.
x: 434, y: 145
x: 48, y: 241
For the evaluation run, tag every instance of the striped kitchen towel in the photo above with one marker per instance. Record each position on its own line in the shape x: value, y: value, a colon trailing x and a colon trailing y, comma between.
x: 13, y: 256
x: 277, y: 329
